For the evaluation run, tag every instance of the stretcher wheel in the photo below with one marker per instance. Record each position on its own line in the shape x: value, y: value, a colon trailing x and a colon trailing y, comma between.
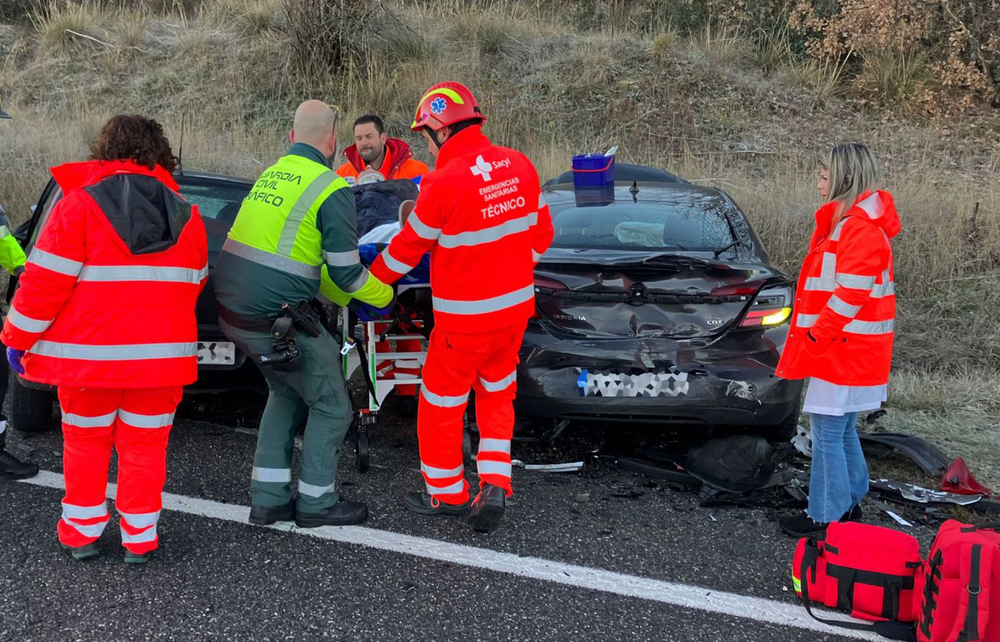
x: 362, y: 451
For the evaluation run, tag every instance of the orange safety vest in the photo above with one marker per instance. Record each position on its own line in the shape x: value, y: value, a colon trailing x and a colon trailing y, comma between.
x: 845, y: 305
x: 481, y: 216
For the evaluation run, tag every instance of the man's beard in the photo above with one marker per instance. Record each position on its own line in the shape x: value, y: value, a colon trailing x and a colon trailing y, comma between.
x: 371, y: 154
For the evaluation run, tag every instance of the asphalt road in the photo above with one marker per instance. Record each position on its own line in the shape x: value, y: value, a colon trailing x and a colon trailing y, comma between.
x: 216, y: 579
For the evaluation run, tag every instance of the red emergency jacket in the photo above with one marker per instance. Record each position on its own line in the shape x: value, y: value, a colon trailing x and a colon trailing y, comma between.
x: 481, y: 216
x: 107, y: 298
x: 845, y: 305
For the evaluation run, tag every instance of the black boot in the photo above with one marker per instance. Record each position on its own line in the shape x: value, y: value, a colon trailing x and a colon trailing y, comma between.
x: 487, y: 508
x: 82, y: 553
x: 343, y: 513
x: 801, y: 526
x: 10, y: 466
x: 853, y: 515
x: 423, y: 504
x: 267, y: 515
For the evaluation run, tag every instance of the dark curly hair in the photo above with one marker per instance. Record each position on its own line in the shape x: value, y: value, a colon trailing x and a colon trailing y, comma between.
x: 135, y: 138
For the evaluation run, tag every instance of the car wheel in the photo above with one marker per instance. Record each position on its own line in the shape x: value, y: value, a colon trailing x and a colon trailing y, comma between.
x: 783, y: 432
x: 31, y: 409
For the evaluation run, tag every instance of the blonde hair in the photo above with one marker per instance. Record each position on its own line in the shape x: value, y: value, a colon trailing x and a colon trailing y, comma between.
x: 853, y: 171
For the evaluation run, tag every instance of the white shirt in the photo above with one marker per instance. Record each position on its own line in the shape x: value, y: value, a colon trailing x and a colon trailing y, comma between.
x: 825, y: 398
x: 382, y: 234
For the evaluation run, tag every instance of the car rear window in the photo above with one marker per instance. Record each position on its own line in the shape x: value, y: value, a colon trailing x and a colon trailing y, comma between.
x: 688, y: 222
x: 219, y: 203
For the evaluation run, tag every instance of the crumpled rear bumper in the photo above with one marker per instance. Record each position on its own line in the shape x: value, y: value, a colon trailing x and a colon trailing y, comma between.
x: 729, y: 381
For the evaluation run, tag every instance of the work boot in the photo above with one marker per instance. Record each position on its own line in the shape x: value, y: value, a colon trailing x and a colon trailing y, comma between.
x: 801, y: 526
x: 267, y: 515
x: 10, y: 466
x: 13, y: 468
x: 135, y: 558
x: 343, y: 513
x: 853, y: 515
x: 422, y: 503
x: 81, y: 553
x: 487, y: 508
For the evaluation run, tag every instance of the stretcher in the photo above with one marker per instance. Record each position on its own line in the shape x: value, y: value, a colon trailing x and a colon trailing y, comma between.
x: 391, y: 352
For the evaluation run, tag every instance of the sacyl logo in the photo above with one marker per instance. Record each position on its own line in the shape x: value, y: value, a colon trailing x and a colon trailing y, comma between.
x: 481, y: 168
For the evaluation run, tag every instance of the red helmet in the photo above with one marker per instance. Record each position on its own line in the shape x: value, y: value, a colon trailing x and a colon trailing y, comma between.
x: 446, y: 103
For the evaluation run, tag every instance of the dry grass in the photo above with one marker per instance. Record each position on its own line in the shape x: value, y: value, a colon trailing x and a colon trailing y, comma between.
x: 556, y: 80
x: 723, y: 45
x: 957, y: 411
x: 61, y: 25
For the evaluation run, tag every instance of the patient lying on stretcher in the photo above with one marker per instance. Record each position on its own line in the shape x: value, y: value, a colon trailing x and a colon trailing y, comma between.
x: 382, y: 210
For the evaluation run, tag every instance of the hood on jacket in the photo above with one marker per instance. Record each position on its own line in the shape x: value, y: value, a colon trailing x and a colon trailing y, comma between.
x: 399, y: 152
x: 147, y: 215
x: 879, y: 208
x: 142, y: 204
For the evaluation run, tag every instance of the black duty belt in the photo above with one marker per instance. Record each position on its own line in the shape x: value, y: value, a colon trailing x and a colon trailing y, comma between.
x: 248, y: 324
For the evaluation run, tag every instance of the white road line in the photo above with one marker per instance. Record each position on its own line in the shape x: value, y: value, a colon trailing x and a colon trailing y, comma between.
x: 682, y: 595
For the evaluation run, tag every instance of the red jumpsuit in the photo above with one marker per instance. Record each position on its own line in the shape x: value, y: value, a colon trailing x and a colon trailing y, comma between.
x: 481, y: 216
x: 106, y: 311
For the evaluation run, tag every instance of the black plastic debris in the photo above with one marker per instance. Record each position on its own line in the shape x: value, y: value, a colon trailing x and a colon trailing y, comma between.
x: 873, y: 417
x: 736, y: 464
x: 927, y: 456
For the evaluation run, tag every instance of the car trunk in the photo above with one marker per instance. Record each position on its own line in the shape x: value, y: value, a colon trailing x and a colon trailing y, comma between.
x: 607, y: 294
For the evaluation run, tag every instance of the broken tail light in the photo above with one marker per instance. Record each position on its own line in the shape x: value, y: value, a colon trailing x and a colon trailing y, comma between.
x: 739, y: 289
x: 771, y: 307
x: 545, y: 283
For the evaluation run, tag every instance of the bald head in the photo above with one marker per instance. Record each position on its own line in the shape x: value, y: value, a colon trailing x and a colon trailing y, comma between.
x: 316, y: 124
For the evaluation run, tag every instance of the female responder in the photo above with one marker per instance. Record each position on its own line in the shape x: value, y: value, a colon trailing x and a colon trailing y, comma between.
x: 105, y: 310
x: 842, y: 332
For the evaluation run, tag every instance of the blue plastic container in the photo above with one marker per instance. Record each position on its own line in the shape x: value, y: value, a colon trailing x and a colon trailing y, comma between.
x: 593, y: 170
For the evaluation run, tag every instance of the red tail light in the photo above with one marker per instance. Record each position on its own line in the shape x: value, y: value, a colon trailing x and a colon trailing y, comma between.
x: 771, y: 307
x: 545, y: 283
x: 738, y: 289
x: 548, y: 284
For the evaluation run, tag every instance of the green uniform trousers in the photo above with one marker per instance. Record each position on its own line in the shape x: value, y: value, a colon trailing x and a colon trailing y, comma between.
x: 314, y: 394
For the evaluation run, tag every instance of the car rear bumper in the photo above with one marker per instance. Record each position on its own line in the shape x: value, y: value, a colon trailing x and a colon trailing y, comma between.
x: 730, y: 381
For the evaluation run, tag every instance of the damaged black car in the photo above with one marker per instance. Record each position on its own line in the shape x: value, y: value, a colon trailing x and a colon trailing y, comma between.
x: 656, y: 303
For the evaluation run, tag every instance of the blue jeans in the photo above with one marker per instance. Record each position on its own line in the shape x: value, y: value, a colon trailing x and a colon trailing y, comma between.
x: 839, y: 478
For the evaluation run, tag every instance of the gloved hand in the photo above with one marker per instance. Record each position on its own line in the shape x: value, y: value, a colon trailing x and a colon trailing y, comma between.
x: 367, y: 312
x: 14, y: 359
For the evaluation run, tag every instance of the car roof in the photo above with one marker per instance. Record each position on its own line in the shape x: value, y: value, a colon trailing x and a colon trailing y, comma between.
x: 626, y: 172
x: 682, y: 193
x: 209, y: 176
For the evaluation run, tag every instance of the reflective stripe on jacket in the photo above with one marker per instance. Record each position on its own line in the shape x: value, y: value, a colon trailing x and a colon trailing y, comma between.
x: 107, y: 297
x: 846, y: 297
x: 481, y: 216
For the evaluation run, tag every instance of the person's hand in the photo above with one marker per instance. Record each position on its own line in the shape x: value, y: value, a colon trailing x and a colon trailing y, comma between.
x: 14, y: 359
x: 367, y: 312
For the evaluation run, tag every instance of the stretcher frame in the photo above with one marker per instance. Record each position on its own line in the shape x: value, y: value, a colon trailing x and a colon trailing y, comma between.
x: 374, y: 333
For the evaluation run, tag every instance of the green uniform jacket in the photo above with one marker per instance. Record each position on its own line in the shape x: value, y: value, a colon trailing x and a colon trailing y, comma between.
x: 12, y: 256
x: 297, y: 222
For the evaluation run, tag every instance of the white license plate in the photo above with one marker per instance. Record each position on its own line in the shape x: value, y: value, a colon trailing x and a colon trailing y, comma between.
x: 216, y: 353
